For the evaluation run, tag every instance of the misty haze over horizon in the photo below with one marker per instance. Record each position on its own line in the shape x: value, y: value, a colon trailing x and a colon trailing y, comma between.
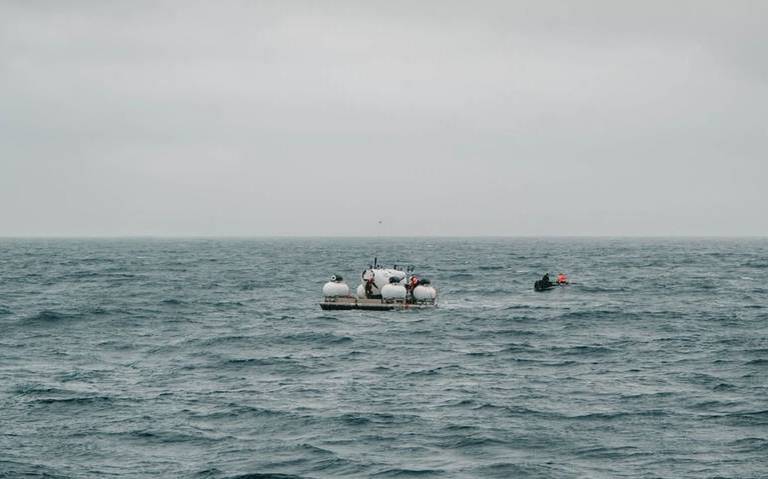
x: 382, y: 237
x: 378, y: 119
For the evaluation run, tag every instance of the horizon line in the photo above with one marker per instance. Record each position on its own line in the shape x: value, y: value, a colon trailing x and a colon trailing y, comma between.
x: 321, y: 236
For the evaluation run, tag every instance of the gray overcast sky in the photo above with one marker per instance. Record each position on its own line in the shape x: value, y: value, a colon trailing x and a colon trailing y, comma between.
x: 436, y: 117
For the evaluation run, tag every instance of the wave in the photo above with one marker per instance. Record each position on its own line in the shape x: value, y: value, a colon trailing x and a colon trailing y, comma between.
x: 461, y: 276
x: 75, y: 401
x: 617, y: 452
x: 251, y: 285
x: 655, y: 395
x: 761, y: 414
x: 750, y: 444
x: 34, y: 388
x: 34, y: 393
x: 217, y: 340
x: 240, y: 411
x: 754, y: 306
x: 81, y: 375
x: 515, y: 470
x: 518, y: 307
x: 611, y: 416
x: 600, y: 289
x: 589, y: 314
x: 460, y: 403
x: 467, y: 442
x: 517, y: 348
x: 173, y: 301
x: 15, y: 469
x: 513, y: 410
x: 583, y: 350
x: 483, y: 353
x: 757, y: 362
x: 229, y: 304
x: 265, y: 475
x: 51, y: 316
x: 741, y: 418
x: 82, y: 275
x: 405, y: 472
x: 364, y: 418
x: 724, y: 387
x: 313, y: 337
x: 714, y: 404
x: 168, y: 437
x: 434, y: 371
x: 287, y: 361
x: 756, y: 264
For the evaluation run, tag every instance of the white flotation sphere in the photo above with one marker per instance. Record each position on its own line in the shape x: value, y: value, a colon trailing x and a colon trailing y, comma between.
x: 424, y: 293
x: 393, y: 291
x: 333, y: 289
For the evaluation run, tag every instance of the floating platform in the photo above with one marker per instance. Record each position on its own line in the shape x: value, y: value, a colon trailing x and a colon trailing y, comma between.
x: 349, y: 302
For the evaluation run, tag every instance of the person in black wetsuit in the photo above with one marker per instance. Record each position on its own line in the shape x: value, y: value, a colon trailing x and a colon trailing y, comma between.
x: 545, y: 280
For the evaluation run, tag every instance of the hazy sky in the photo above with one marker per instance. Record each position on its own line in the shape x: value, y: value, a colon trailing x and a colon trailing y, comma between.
x: 436, y: 117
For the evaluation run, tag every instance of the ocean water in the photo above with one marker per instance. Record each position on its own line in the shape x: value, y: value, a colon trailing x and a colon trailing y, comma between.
x: 201, y: 358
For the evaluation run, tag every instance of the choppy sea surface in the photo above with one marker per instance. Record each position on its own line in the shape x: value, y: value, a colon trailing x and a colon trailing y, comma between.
x: 210, y: 358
